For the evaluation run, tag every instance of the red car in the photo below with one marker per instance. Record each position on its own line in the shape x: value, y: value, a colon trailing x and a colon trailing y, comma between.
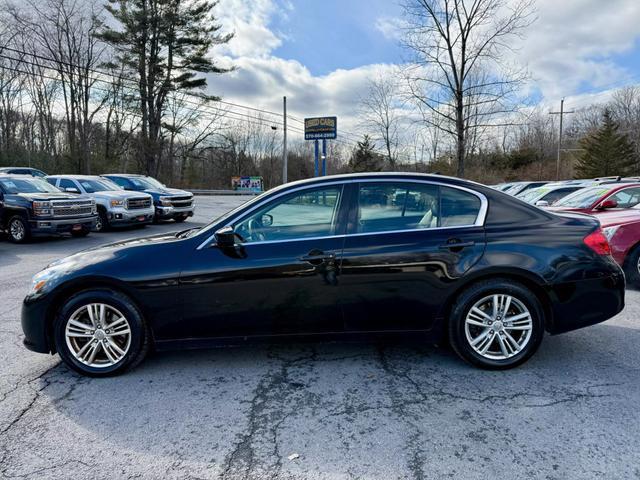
x: 622, y: 229
x: 600, y: 197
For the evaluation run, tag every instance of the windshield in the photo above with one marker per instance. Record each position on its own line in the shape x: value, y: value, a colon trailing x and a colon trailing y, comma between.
x: 533, y: 194
x: 93, y: 186
x: 146, y: 182
x: 14, y: 185
x: 583, y: 198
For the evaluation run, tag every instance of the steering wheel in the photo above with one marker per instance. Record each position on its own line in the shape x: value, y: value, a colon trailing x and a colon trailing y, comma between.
x: 253, y: 226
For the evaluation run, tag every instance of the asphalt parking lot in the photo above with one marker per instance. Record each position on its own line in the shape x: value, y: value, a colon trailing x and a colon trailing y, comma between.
x: 316, y: 410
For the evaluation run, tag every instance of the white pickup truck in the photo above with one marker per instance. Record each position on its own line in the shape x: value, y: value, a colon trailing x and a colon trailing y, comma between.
x: 116, y: 207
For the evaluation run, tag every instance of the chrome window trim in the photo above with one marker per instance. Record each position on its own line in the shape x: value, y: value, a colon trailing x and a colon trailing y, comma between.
x: 480, y: 218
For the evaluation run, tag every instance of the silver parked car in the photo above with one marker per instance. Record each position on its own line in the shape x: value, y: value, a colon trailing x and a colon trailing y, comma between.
x: 116, y: 207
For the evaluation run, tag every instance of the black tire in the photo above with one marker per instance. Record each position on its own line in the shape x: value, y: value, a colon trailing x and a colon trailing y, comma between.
x: 140, y: 336
x: 632, y: 267
x: 83, y: 232
x: 180, y: 219
x: 18, y: 229
x: 102, y: 225
x: 475, y: 293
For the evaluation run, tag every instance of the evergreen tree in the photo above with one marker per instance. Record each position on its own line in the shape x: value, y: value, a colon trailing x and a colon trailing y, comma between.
x: 606, y: 152
x: 364, y: 158
x: 164, y: 45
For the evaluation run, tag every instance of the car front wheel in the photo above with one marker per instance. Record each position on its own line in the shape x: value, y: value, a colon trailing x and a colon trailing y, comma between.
x: 496, y: 324
x: 18, y: 229
x: 100, y: 333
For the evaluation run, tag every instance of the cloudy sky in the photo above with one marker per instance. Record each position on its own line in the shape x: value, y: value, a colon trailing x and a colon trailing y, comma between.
x: 321, y: 53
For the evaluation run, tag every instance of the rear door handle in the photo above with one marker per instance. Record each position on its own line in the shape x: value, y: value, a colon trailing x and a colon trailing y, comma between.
x: 456, y: 245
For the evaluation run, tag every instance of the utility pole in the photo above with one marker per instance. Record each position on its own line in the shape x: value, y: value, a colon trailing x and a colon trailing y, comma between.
x: 284, y: 146
x: 562, y: 113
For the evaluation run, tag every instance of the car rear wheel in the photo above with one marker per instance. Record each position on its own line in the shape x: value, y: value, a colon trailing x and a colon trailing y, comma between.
x: 496, y: 324
x: 100, y: 333
x: 18, y: 230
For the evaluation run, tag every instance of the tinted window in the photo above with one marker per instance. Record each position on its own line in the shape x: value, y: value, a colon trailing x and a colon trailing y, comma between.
x: 555, y: 195
x: 389, y: 206
x: 457, y: 207
x: 52, y: 181
x: 627, y: 198
x: 311, y: 213
x: 66, y: 183
x: 122, y: 182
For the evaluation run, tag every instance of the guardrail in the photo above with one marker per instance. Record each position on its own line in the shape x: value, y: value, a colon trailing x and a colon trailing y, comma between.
x: 221, y: 192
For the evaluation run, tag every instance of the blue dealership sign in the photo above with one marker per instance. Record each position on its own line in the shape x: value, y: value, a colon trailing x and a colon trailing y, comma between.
x: 320, y: 128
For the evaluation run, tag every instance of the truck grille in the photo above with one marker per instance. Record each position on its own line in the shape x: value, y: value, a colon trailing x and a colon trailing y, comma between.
x: 72, y: 208
x: 181, y: 202
x: 138, y: 203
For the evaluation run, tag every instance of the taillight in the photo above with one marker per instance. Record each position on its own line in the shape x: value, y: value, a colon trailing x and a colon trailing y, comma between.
x: 597, y: 242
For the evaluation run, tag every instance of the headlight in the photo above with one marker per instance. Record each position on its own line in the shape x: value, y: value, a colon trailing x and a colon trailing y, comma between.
x: 117, y: 203
x: 609, y: 232
x: 41, y: 209
x: 41, y: 281
x: 165, y: 201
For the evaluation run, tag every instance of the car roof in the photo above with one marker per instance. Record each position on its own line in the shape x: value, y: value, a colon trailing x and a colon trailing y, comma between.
x: 76, y: 177
x: 122, y: 175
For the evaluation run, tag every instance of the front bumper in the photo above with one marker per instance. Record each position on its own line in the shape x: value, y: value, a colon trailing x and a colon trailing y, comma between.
x: 34, y: 325
x: 586, y: 302
x: 54, y: 226
x: 123, y: 217
x: 166, y: 213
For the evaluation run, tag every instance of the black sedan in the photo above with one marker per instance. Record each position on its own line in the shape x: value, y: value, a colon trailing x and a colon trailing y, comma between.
x: 340, y: 256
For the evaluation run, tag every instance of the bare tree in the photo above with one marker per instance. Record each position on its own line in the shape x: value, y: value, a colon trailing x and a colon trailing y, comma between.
x: 380, y: 113
x: 460, y: 71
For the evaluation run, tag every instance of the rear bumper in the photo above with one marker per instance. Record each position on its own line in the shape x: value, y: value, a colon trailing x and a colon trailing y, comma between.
x: 66, y: 225
x: 586, y: 302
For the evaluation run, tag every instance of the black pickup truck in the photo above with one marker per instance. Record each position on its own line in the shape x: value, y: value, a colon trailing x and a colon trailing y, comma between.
x: 31, y: 206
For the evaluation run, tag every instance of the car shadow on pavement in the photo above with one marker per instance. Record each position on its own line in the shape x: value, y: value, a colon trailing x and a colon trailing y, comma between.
x: 228, y: 404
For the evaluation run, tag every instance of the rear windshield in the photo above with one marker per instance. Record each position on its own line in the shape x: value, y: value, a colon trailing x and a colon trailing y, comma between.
x: 26, y: 185
x: 584, y: 198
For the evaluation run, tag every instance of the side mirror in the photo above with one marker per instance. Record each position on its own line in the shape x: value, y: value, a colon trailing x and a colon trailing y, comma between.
x: 71, y: 190
x: 542, y: 203
x: 225, y: 237
x: 608, y: 204
x: 266, y: 220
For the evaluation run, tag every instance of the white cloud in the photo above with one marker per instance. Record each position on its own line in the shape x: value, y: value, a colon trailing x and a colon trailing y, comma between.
x: 568, y: 49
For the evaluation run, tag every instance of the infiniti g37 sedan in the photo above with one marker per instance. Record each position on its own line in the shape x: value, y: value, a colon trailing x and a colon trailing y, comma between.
x: 339, y: 256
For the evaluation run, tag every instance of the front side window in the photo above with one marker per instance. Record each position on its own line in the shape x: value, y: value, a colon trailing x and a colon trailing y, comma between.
x: 306, y: 214
x: 626, y: 198
x: 397, y: 206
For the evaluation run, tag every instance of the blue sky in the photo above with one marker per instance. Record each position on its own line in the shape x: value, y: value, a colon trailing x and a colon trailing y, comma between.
x: 337, y: 34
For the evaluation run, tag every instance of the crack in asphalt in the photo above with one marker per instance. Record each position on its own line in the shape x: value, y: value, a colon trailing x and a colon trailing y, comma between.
x: 263, y: 420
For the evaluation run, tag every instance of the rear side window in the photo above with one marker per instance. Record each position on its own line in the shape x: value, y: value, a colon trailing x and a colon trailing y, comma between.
x: 397, y: 206
x: 458, y: 208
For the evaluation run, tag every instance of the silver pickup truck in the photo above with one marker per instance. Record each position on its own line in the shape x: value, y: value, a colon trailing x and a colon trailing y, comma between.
x: 116, y: 207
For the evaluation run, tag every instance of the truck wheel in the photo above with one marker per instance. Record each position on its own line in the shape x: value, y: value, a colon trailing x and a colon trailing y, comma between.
x: 80, y: 233
x: 18, y: 230
x: 102, y: 224
x: 180, y: 218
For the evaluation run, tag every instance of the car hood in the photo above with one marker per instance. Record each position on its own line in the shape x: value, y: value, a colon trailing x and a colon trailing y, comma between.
x: 169, y: 191
x: 119, y: 194
x: 50, y: 196
x: 610, y: 218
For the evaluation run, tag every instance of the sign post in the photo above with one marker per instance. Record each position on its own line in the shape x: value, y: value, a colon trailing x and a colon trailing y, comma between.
x: 320, y: 128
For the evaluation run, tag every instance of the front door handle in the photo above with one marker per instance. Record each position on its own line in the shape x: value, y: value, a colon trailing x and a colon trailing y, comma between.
x: 317, y: 258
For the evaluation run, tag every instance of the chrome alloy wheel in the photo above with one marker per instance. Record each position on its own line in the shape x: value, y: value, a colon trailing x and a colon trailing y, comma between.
x: 98, y: 335
x: 17, y: 230
x: 498, y: 326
